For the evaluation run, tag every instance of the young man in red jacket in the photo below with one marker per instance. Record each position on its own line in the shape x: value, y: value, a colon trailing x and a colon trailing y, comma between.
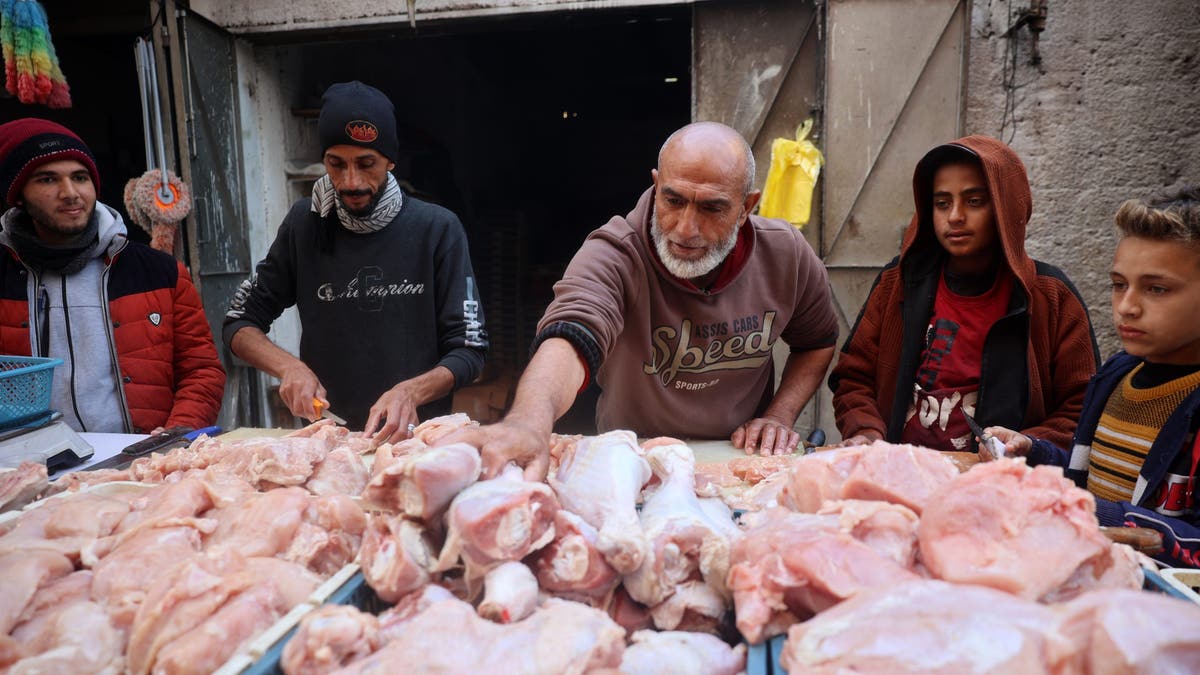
x: 964, y: 320
x: 125, y: 319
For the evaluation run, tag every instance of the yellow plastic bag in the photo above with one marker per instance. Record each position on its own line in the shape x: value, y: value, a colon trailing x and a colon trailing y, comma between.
x: 795, y: 165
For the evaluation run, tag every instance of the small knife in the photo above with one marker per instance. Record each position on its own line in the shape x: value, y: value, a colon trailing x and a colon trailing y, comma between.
x: 323, y: 410
x: 995, y: 445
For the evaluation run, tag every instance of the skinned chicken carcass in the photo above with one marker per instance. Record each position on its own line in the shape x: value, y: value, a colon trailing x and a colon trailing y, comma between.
x: 328, y: 638
x: 22, y: 485
x: 1128, y: 631
x: 122, y: 578
x: 422, y: 483
x: 1010, y: 527
x: 435, y: 429
x: 599, y: 479
x: 685, y: 540
x: 681, y: 653
x: 262, y: 524
x: 900, y: 474
x: 560, y: 637
x: 495, y: 521
x: 78, y: 637
x: 929, y: 626
x: 395, y: 557
x: 192, y: 592
x: 789, y: 566
x: 571, y: 566
x: 342, y: 472
x: 510, y: 593
x: 23, y: 573
x: 330, y: 534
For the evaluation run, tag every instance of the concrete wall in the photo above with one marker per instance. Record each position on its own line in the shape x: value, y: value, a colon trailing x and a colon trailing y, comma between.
x: 1111, y: 112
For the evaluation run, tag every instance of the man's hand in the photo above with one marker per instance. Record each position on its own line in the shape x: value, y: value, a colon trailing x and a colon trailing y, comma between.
x: 395, y: 410
x: 298, y: 386
x: 865, y: 438
x: 505, y: 442
x: 767, y: 435
x: 1016, y: 444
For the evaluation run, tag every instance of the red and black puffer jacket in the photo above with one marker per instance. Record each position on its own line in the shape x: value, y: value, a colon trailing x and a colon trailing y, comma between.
x: 169, y: 368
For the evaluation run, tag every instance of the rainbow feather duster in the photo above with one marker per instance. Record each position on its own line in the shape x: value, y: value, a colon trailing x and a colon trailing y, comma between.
x: 31, y: 69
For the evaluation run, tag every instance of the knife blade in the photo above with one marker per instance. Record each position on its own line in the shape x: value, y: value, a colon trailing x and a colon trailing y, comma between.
x: 174, y: 437
x: 993, y: 444
x: 323, y: 410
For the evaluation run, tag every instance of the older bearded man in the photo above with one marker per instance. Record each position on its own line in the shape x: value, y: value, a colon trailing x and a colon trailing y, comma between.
x: 675, y: 309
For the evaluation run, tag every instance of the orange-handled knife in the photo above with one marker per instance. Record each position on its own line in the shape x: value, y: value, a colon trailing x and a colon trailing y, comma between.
x: 323, y: 410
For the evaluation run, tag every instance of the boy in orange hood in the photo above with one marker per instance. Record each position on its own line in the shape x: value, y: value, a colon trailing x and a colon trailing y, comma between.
x: 963, y: 320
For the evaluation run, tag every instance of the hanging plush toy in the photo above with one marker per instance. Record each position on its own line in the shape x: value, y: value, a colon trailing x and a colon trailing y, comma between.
x: 31, y: 69
x: 158, y: 208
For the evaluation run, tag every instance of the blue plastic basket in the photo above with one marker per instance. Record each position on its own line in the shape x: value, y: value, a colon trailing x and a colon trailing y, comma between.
x: 25, y: 388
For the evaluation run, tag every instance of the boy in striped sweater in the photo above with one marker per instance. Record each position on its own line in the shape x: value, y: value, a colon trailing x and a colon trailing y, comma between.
x: 1136, y: 447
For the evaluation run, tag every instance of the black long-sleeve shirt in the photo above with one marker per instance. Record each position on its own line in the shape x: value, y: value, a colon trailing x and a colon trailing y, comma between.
x: 375, y: 309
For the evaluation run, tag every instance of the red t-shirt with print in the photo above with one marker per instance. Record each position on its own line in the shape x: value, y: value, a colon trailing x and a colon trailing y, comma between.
x: 947, y: 380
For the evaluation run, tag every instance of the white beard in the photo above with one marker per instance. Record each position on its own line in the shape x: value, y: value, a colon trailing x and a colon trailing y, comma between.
x: 690, y: 269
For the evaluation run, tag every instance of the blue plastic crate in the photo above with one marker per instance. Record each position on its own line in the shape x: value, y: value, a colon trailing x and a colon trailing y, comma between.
x: 25, y: 383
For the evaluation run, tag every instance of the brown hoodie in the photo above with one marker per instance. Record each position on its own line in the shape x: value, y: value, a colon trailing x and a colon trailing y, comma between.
x: 1037, y: 359
x: 674, y: 360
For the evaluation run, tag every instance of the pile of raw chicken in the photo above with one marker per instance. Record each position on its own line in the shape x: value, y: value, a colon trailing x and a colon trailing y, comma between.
x: 629, y: 556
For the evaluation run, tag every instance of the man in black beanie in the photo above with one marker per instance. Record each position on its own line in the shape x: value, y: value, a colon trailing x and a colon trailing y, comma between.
x: 391, y: 322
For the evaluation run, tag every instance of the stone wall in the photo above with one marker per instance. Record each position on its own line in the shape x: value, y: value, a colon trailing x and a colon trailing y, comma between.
x: 1112, y: 111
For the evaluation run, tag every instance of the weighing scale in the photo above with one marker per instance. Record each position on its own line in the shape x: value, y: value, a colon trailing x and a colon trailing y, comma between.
x: 47, y: 440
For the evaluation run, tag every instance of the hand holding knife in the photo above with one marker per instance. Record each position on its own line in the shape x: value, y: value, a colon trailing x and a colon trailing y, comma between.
x: 323, y: 410
x: 993, y: 444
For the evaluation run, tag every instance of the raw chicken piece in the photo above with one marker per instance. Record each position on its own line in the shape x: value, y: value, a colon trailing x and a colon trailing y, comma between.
x: 889, y: 529
x: 85, y: 515
x: 929, y: 626
x: 78, y: 638
x: 560, y: 637
x: 1010, y: 527
x: 208, y: 645
x: 421, y: 484
x: 694, y: 606
x: 342, y: 472
x: 337, y: 436
x: 682, y: 653
x: 51, y: 598
x: 328, y: 638
x: 789, y: 566
x: 1119, y: 566
x: 262, y: 462
x: 122, y: 578
x: 901, y: 474
x: 1126, y: 631
x: 23, y: 572
x: 629, y: 614
x: 77, y: 480
x: 313, y: 429
x: 391, y: 622
x: 262, y: 524
x: 22, y: 485
x: 510, y: 593
x: 330, y: 533
x: 571, y: 566
x: 600, y: 480
x: 187, y: 498
x: 497, y: 520
x: 395, y: 556
x: 433, y: 430
x: 685, y: 540
x: 193, y: 591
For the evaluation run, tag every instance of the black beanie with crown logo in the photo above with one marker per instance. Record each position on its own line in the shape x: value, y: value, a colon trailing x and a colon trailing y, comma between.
x: 353, y: 113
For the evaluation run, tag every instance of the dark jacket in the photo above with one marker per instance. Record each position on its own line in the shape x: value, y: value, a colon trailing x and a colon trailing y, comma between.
x: 1037, y: 358
x: 157, y: 330
x: 1181, y: 535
